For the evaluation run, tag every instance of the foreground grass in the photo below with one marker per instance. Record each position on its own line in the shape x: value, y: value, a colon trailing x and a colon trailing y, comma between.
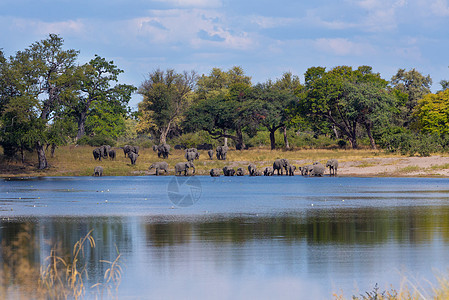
x: 79, y: 161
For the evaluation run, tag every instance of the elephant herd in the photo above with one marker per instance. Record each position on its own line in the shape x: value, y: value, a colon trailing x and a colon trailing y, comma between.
x: 280, y: 166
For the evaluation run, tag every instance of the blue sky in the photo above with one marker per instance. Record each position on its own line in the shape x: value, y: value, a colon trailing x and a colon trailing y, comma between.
x: 265, y: 37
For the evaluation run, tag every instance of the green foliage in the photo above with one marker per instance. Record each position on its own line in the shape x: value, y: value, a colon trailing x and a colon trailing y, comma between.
x: 96, y: 141
x: 192, y: 139
x: 408, y: 143
x: 432, y: 113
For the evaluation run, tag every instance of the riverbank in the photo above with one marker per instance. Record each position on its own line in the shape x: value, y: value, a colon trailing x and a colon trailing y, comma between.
x: 79, y: 161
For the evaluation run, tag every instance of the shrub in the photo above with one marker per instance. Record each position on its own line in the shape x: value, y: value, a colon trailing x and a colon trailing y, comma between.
x: 97, y: 140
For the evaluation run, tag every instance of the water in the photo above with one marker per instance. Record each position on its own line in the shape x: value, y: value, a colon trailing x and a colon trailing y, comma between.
x: 241, y: 237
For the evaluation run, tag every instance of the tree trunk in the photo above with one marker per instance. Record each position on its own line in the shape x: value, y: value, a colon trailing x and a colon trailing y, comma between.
x: 226, y: 141
x: 334, y: 128
x: 240, y: 138
x: 370, y: 135
x: 164, y: 133
x: 22, y: 154
x: 53, y: 148
x: 287, y: 145
x: 41, y: 156
x: 81, y: 125
x: 272, y: 139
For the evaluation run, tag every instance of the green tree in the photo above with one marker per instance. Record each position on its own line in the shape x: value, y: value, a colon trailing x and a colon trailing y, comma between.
x: 346, y: 99
x: 444, y: 84
x: 39, y: 82
x: 413, y: 86
x: 273, y: 104
x: 223, y: 106
x: 97, y: 98
x: 432, y: 113
x: 166, y: 96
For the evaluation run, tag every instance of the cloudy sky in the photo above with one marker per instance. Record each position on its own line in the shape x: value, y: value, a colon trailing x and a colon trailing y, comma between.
x: 265, y: 37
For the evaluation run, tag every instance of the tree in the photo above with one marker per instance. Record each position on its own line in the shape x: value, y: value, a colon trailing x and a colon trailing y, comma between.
x: 346, y: 99
x: 166, y: 96
x: 39, y: 82
x: 432, y: 113
x: 273, y: 101
x: 414, y: 86
x: 106, y: 104
x: 222, y: 105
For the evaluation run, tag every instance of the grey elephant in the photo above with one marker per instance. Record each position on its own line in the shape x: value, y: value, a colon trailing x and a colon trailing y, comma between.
x: 215, y: 172
x: 126, y: 149
x: 279, y: 165
x: 97, y: 154
x: 211, y: 154
x: 154, y: 148
x: 222, y: 151
x: 240, y: 172
x: 184, y: 167
x: 133, y: 157
x: 333, y: 166
x: 305, y: 170
x: 158, y: 166
x: 268, y: 171
x: 98, y: 171
x: 258, y: 173
x: 163, y: 151
x: 317, y: 170
x: 192, y: 154
x: 228, y: 171
x: 104, y: 150
x: 251, y: 169
x: 291, y: 170
x: 135, y: 149
x: 111, y: 154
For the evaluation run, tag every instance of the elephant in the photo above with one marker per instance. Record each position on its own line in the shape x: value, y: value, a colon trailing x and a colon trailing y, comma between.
x: 333, y: 166
x: 162, y: 165
x: 97, y: 154
x: 184, y: 167
x: 155, y: 148
x: 317, y: 170
x: 251, y: 169
x: 133, y: 157
x: 305, y: 170
x: 126, y: 149
x: 257, y: 173
x: 279, y: 165
x: 163, y: 150
x: 98, y: 171
x: 222, y: 152
x: 192, y: 154
x: 211, y: 154
x: 240, y: 172
x: 228, y: 171
x: 178, y: 147
x: 135, y: 149
x: 291, y: 170
x: 215, y: 172
x: 268, y: 171
x: 112, y: 154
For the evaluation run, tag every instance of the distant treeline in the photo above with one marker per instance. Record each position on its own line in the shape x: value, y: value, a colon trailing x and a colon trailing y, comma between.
x: 47, y: 99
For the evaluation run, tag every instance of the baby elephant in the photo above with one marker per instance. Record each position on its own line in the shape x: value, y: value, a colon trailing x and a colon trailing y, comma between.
x: 317, y: 170
x: 215, y: 172
x: 240, y: 172
x: 228, y: 171
x: 333, y: 166
x: 268, y: 171
x: 184, y: 167
x: 291, y: 170
x: 162, y: 165
x: 98, y: 171
x: 211, y: 154
x: 252, y: 169
x: 133, y: 157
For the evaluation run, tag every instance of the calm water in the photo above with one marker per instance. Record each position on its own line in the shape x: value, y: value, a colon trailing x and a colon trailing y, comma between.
x: 241, y: 237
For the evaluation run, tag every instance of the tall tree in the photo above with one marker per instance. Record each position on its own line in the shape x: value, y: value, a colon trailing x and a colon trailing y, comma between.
x: 166, y: 96
x: 444, y: 84
x: 345, y: 98
x: 41, y: 77
x: 98, y: 97
x: 432, y: 113
x: 413, y: 85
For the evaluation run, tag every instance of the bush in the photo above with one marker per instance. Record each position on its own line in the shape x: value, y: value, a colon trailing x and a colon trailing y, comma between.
x: 96, y: 141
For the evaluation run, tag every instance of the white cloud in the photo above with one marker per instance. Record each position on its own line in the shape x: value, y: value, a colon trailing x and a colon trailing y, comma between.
x: 193, y: 3
x: 44, y: 28
x: 342, y: 47
x: 272, y: 22
x: 440, y: 8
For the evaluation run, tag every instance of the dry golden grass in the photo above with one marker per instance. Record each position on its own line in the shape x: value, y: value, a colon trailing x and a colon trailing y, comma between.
x: 60, y: 278
x: 79, y: 161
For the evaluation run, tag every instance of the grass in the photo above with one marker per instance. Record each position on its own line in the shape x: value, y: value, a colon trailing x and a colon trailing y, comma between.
x: 79, y: 161
x: 410, y: 169
x: 60, y: 277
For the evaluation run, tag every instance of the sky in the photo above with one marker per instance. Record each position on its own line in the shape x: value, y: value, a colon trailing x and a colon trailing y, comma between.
x: 265, y: 37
